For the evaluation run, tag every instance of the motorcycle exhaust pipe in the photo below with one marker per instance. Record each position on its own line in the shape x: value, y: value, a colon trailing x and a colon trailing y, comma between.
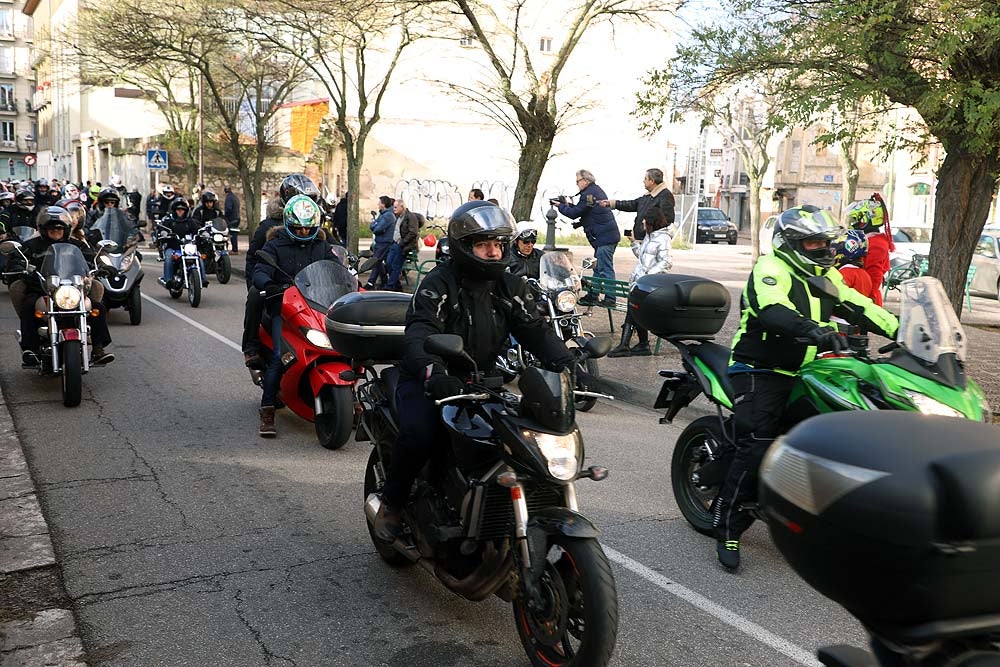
x: 372, y: 505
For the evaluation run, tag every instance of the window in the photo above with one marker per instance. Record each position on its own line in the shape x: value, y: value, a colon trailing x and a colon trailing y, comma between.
x: 7, y: 133
x: 985, y: 247
x: 466, y: 39
x: 545, y: 45
x: 7, y: 59
x: 7, y: 101
x: 6, y: 22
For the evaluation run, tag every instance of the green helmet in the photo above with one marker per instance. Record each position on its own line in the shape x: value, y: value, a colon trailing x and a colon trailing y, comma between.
x: 866, y: 216
x: 302, y: 212
x: 806, y: 223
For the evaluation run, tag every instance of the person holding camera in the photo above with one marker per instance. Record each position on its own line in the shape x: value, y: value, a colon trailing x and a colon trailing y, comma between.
x: 600, y: 227
x: 657, y: 194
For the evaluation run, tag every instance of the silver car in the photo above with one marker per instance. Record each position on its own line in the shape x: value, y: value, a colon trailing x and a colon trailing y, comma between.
x: 987, y: 262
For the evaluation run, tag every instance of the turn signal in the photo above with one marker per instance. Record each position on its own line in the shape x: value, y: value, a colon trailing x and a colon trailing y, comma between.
x: 508, y: 479
x: 204, y: 256
x: 95, y: 312
x: 597, y: 473
x: 39, y: 314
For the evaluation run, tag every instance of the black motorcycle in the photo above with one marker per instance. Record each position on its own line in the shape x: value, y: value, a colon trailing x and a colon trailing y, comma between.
x: 213, y: 244
x: 496, y: 512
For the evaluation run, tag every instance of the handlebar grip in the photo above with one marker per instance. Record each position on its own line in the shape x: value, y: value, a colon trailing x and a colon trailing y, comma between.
x: 889, y: 347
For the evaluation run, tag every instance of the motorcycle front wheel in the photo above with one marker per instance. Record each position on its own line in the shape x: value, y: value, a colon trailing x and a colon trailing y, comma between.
x: 691, y: 457
x: 576, y: 623
x: 72, y: 373
x: 135, y: 306
x: 333, y: 425
x: 224, y: 269
x: 385, y: 551
x: 194, y: 287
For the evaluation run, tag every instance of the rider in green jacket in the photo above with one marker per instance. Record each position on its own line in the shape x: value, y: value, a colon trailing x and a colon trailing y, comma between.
x: 785, y: 321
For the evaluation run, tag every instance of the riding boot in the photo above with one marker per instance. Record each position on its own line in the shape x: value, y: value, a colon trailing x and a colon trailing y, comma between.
x: 267, y: 429
x: 623, y: 350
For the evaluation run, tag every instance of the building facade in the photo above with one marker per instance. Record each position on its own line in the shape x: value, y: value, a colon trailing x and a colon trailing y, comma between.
x: 17, y: 84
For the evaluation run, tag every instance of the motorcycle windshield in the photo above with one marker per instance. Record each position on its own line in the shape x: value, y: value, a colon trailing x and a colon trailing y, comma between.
x: 325, y: 281
x: 64, y: 260
x: 219, y: 225
x: 928, y: 325
x: 114, y: 226
x: 555, y: 272
x: 24, y: 233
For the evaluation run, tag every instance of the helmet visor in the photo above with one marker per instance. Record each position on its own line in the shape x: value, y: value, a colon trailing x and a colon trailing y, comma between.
x: 483, y: 221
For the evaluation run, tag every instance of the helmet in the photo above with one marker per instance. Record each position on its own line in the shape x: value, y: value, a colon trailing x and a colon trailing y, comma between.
x: 527, y: 234
x: 805, y: 223
x: 477, y: 221
x: 116, y: 181
x: 42, y: 183
x: 207, y: 196
x: 167, y: 190
x: 297, y: 184
x: 71, y: 191
x: 6, y: 198
x: 850, y: 248
x: 108, y: 195
x: 52, y: 217
x: 178, y: 204
x: 302, y: 211
x: 867, y: 216
x: 25, y: 198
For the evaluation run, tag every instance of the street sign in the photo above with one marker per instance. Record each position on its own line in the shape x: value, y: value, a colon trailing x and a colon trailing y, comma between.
x: 156, y: 159
x: 29, y: 159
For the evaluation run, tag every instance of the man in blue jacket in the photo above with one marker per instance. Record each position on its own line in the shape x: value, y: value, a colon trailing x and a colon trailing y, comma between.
x: 600, y: 227
x: 384, y: 230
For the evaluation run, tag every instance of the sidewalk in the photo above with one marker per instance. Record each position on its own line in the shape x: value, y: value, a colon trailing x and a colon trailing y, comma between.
x: 36, y: 625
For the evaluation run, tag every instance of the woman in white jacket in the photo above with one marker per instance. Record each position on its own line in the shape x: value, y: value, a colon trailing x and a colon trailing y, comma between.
x: 653, y: 253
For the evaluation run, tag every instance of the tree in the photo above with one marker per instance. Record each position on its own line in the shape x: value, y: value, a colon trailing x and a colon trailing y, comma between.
x: 939, y: 57
x: 525, y: 101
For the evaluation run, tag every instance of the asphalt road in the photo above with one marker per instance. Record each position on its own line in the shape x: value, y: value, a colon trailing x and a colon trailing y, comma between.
x: 185, y: 539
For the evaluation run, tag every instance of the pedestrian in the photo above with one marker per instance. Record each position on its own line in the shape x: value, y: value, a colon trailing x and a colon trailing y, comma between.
x: 340, y: 220
x: 657, y: 194
x: 475, y: 194
x: 383, y: 227
x: 653, y: 253
x: 600, y: 227
x: 408, y: 225
x: 231, y: 210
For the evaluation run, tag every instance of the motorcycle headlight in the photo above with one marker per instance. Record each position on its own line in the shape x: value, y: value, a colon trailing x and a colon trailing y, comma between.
x: 127, y: 261
x: 67, y: 298
x: 218, y: 238
x: 562, y: 452
x: 566, y: 301
x: 928, y: 406
x: 318, y: 338
x: 190, y: 249
x: 106, y: 261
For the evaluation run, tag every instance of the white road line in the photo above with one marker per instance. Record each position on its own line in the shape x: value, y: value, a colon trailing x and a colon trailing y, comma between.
x: 742, y: 624
x: 197, y: 325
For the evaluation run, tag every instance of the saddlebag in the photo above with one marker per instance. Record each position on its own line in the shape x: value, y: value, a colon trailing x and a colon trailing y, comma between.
x: 368, y: 326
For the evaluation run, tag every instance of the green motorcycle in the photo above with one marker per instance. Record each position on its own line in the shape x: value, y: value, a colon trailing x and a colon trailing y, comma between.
x: 922, y: 371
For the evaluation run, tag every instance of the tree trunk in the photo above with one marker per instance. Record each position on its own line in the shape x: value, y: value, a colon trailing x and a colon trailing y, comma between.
x: 353, y: 214
x: 530, y: 164
x: 962, y: 203
x: 754, y: 202
x: 850, y: 172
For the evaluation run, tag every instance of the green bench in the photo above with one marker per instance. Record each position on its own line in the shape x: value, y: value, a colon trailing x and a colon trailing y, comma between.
x: 605, y: 287
x: 915, y: 268
x: 412, y: 263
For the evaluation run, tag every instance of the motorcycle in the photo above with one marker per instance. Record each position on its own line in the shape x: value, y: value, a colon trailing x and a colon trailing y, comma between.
x: 187, y: 265
x: 20, y: 234
x: 213, y: 244
x: 922, y: 372
x: 555, y: 292
x: 119, y: 262
x: 316, y: 383
x: 496, y: 512
x: 64, y: 309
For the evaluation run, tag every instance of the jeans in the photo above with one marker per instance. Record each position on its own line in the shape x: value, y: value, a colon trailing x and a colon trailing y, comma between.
x: 272, y: 376
x: 168, y: 267
x: 606, y: 265
x: 251, y: 320
x: 380, y: 251
x: 394, y: 262
x: 420, y: 430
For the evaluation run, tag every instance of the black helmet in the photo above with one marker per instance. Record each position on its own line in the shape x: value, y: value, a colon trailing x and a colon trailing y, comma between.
x: 42, y: 183
x: 297, y: 184
x: 25, y: 198
x: 477, y: 221
x: 178, y: 204
x: 52, y: 217
x: 806, y: 223
x: 207, y: 196
x: 107, y: 195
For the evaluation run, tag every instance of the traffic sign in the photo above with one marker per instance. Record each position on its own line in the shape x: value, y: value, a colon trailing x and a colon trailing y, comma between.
x: 156, y: 159
x: 29, y: 159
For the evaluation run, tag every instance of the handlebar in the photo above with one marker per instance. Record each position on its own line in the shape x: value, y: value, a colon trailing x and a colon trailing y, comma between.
x: 593, y: 394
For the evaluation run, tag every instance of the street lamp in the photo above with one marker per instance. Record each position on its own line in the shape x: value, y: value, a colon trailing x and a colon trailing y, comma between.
x: 550, y: 233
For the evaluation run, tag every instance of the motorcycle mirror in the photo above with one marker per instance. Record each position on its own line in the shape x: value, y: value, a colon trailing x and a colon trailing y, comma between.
x: 448, y: 346
x: 105, y: 244
x: 597, y: 347
x: 588, y: 263
x: 9, y: 247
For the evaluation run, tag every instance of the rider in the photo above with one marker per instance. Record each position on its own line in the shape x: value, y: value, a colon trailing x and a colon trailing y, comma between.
x: 106, y: 198
x: 43, y: 193
x: 208, y: 209
x: 871, y: 216
x: 472, y: 296
x: 292, y: 185
x: 300, y: 243
x: 849, y: 257
x: 21, y: 213
x: 54, y: 225
x: 181, y: 225
x: 524, y: 256
x: 785, y: 320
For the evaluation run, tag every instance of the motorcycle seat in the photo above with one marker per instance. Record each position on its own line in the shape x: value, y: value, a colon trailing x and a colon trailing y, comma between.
x: 716, y: 357
x: 390, y: 378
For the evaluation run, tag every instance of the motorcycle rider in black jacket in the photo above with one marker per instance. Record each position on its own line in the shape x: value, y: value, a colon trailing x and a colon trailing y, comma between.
x: 474, y: 297
x: 295, y: 246
x: 107, y: 197
x: 208, y: 209
x: 525, y: 258
x: 181, y: 225
x: 21, y: 213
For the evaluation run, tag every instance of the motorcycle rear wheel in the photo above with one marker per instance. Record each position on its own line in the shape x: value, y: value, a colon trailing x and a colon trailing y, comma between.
x: 578, y: 623
x: 385, y: 551
x: 72, y: 373
x: 694, y: 501
x: 135, y: 306
x: 194, y: 288
x: 333, y: 425
x: 224, y: 269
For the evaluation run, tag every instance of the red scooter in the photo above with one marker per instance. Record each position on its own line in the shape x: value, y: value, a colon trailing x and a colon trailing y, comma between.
x: 311, y: 385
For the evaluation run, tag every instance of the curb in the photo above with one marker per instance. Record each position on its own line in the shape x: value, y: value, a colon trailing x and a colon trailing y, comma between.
x: 31, y: 631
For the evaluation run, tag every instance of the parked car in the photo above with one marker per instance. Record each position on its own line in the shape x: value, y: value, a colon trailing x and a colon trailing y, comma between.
x: 910, y: 240
x: 987, y: 262
x: 714, y: 226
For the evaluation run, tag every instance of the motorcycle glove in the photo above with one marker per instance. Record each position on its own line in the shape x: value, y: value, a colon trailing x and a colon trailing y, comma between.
x: 577, y: 225
x: 829, y: 340
x: 274, y: 290
x: 442, y: 385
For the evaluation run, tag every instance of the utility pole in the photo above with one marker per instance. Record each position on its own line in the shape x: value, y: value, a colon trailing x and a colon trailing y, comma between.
x: 201, y: 129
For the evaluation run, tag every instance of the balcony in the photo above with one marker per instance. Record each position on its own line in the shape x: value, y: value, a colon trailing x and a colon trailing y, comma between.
x: 8, y: 106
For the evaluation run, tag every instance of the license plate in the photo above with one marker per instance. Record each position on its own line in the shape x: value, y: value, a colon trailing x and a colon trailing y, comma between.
x: 721, y: 236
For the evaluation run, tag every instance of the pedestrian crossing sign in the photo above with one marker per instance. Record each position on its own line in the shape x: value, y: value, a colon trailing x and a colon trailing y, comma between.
x: 156, y: 159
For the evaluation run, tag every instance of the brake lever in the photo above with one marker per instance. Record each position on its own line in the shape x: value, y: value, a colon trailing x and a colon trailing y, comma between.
x: 593, y: 394
x: 459, y: 397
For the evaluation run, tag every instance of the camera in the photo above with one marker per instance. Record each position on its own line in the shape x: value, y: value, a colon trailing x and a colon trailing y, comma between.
x: 374, y: 214
x: 557, y: 200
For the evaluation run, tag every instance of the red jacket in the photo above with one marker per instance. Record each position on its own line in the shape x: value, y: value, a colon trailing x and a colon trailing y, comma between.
x: 877, y: 262
x: 857, y: 279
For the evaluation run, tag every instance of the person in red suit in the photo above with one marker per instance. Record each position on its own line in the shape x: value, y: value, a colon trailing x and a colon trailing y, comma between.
x: 871, y: 216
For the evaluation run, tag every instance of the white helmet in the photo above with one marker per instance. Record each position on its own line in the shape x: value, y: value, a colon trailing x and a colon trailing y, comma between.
x: 116, y: 181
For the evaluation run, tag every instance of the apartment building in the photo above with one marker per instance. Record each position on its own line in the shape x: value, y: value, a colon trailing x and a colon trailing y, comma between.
x: 17, y: 84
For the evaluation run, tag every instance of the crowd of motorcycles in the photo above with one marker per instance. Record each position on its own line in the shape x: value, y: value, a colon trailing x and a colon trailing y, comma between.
x: 496, y: 512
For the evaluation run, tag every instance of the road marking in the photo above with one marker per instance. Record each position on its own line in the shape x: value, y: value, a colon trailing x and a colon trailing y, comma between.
x: 197, y: 325
x: 742, y: 624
